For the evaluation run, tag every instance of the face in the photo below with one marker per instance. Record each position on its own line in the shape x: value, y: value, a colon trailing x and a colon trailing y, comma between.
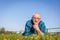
x: 36, y: 18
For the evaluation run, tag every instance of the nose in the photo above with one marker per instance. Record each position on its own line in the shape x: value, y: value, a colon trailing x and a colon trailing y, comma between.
x: 36, y: 20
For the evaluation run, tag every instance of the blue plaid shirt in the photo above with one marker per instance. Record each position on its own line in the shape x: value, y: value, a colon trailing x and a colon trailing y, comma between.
x: 29, y: 27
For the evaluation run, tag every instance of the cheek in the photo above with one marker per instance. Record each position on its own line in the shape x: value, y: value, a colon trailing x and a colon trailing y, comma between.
x: 35, y: 20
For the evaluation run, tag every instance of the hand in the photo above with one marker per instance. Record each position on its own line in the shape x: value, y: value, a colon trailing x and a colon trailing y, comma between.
x: 37, y: 29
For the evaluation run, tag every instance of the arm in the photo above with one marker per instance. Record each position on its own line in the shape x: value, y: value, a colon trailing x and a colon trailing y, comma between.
x: 43, y: 27
x: 27, y: 29
x: 37, y: 29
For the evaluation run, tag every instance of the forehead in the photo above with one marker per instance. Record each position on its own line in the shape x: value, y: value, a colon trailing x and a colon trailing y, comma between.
x: 37, y: 15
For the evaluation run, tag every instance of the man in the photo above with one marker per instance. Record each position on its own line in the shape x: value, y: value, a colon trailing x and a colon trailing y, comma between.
x: 35, y: 25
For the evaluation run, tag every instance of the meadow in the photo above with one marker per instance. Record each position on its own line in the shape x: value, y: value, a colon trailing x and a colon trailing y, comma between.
x: 13, y: 36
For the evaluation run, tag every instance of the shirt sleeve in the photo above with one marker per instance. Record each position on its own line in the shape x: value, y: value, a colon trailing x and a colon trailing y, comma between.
x: 27, y: 29
x: 43, y: 27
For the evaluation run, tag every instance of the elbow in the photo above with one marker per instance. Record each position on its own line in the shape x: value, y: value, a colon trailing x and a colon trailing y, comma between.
x: 26, y: 34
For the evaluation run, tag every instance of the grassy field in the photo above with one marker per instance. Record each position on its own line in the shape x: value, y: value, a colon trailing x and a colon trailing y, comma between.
x: 32, y: 37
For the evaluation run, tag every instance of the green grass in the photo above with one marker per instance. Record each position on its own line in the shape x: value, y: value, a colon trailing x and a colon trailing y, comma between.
x: 32, y: 37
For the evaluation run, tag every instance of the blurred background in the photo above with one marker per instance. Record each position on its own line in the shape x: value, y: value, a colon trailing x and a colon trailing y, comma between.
x: 15, y: 13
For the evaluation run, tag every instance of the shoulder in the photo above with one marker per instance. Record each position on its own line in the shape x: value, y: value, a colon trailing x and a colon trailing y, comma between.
x: 41, y: 22
x: 29, y: 22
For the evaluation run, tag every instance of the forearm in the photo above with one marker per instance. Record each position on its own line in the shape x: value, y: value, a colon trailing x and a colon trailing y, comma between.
x: 39, y: 32
x: 37, y: 29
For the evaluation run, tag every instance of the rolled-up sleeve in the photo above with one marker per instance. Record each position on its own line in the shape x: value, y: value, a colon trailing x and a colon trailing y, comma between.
x: 43, y: 27
x: 27, y: 29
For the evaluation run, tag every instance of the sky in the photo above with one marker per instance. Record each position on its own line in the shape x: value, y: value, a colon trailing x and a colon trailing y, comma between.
x: 15, y: 13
